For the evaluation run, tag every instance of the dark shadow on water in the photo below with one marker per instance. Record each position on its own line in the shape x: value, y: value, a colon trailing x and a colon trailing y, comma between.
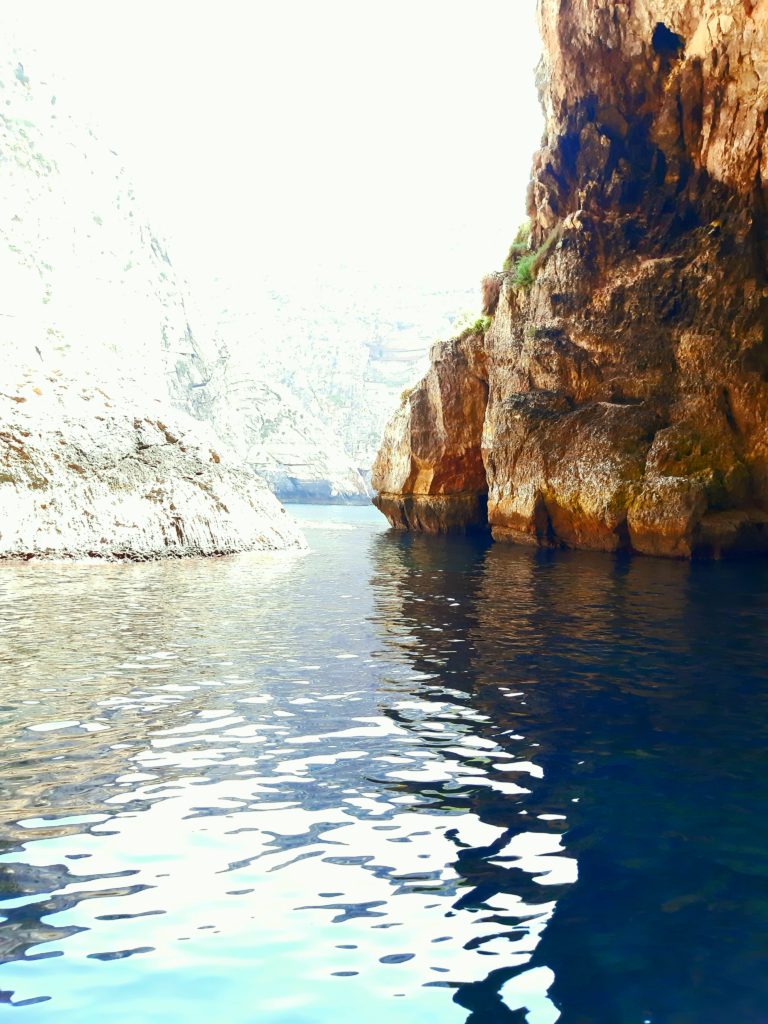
x: 641, y: 694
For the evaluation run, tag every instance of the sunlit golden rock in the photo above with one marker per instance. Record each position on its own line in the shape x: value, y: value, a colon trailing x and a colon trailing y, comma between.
x: 626, y: 366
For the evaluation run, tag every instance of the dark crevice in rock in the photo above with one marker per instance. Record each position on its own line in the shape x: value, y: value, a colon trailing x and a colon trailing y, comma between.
x: 759, y: 233
x: 665, y: 42
x: 622, y: 533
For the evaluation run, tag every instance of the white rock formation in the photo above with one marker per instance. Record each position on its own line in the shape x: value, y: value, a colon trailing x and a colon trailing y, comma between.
x: 296, y: 378
x: 324, y: 358
x: 86, y: 472
x: 89, y: 287
x: 96, y: 347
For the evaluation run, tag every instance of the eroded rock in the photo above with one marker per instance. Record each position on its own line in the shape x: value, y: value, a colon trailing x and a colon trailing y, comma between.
x: 627, y: 381
x: 430, y: 474
x: 83, y: 473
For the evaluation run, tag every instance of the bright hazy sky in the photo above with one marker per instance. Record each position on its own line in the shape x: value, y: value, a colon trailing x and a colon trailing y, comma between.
x: 394, y: 136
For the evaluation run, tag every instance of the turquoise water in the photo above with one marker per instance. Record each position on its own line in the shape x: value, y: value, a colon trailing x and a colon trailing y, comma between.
x: 392, y: 778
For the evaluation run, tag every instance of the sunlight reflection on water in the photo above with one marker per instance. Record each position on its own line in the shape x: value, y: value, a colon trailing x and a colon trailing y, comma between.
x: 297, y: 787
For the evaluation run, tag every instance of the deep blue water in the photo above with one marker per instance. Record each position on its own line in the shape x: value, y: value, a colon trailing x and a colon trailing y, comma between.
x: 395, y: 778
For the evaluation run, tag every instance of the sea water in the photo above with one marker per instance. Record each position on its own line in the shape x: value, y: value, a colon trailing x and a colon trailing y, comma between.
x: 392, y: 778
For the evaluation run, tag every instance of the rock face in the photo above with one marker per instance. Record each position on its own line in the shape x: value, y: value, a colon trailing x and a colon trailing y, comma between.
x: 83, y: 473
x: 97, y: 349
x: 88, y: 285
x: 430, y: 462
x: 298, y: 371
x: 626, y: 363
x: 272, y: 432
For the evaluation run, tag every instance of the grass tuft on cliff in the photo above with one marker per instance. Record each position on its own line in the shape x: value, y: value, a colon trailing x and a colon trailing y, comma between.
x: 524, y: 263
x: 480, y: 326
x: 520, y: 246
x: 523, y: 234
x: 517, y: 251
x: 524, y: 271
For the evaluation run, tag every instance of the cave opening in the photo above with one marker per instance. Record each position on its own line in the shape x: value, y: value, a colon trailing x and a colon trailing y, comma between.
x: 666, y: 42
x: 480, y: 525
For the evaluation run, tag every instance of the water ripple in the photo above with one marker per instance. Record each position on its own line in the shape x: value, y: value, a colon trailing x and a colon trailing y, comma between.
x: 490, y: 784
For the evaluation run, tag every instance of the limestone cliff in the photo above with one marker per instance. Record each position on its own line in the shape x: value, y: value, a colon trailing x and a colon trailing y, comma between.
x: 85, y: 472
x: 97, y: 349
x: 618, y: 398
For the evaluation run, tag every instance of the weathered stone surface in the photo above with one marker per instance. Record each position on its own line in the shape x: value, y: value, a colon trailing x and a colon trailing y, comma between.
x: 628, y: 382
x: 88, y: 284
x: 83, y: 473
x: 91, y: 300
x: 430, y: 473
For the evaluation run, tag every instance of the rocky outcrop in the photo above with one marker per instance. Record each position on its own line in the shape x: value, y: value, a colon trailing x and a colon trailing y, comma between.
x: 297, y: 370
x: 626, y: 363
x: 99, y: 359
x: 435, y: 481
x: 88, y: 286
x: 86, y: 473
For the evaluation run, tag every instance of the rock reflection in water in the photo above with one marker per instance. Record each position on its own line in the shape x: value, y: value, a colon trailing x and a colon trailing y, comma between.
x: 431, y: 602
x: 429, y: 605
x: 638, y: 692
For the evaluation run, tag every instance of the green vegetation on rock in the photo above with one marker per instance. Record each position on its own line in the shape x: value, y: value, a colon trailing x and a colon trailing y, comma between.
x: 523, y: 262
x: 480, y: 326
